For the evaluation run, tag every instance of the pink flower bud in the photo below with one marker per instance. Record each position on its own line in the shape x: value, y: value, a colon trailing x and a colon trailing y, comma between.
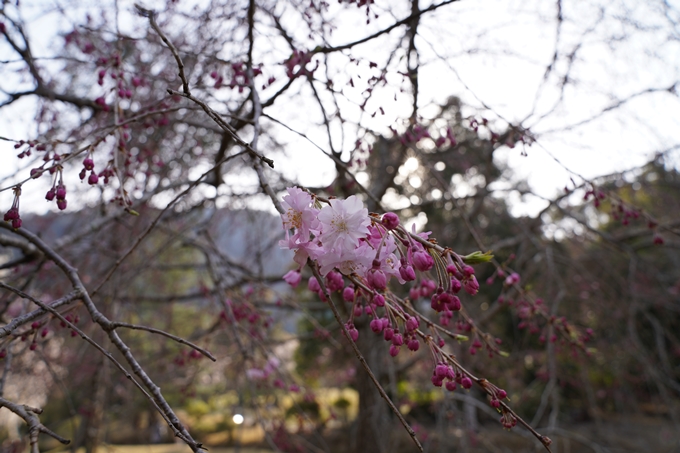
x: 397, y: 340
x: 334, y: 281
x: 353, y: 332
x: 394, y: 350
x: 422, y: 261
x: 61, y: 204
x: 471, y: 285
x: 390, y: 220
x: 436, y: 381
x: 12, y: 214
x: 407, y: 273
x: 293, y: 278
x: 466, y: 383
x: 413, y: 344
x: 348, y: 294
x: 376, y: 325
x: 436, y: 304
x: 411, y: 324
x: 379, y: 300
x: 93, y: 179
x: 388, y: 334
x: 88, y: 164
x: 313, y: 285
x: 450, y: 386
x: 377, y: 279
x: 456, y: 285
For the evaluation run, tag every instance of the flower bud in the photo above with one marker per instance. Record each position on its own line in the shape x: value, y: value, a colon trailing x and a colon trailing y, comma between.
x: 379, y: 300
x: 422, y: 261
x: 471, y: 285
x: 390, y: 220
x: 334, y: 281
x: 397, y: 340
x: 313, y: 285
x: 293, y: 278
x: 411, y: 324
x: 388, y: 334
x: 376, y: 325
x: 436, y: 381
x: 407, y: 273
x: 377, y: 279
x: 413, y: 344
x: 348, y: 294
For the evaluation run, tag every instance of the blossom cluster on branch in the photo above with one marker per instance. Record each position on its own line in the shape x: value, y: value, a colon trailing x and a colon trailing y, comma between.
x: 341, y: 238
x: 342, y: 242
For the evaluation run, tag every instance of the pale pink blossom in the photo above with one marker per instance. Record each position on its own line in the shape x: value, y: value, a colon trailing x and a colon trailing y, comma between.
x: 343, y: 223
x: 347, y: 261
x: 299, y: 214
x: 303, y: 250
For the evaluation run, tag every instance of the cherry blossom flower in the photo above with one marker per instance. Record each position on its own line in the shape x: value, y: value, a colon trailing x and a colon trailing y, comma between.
x: 299, y: 215
x: 347, y: 260
x: 303, y: 250
x: 343, y: 223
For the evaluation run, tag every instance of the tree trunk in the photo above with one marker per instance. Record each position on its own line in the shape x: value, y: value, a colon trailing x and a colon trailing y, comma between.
x: 372, y: 421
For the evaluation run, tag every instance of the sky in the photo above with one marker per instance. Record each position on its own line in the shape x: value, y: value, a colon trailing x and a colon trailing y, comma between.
x: 493, y: 54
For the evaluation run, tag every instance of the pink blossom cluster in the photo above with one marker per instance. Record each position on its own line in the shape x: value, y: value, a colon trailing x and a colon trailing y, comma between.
x: 343, y: 239
x: 342, y: 236
x: 344, y: 243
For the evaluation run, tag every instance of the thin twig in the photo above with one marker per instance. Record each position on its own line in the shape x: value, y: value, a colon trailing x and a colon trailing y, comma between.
x: 151, y: 15
x: 361, y: 358
x: 165, y: 334
x: 187, y: 94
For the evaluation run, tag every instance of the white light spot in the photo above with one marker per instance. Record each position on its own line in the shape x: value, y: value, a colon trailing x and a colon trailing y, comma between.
x: 237, y: 418
x: 411, y: 164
